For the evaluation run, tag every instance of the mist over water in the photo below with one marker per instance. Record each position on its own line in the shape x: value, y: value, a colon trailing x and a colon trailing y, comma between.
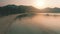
x: 37, y: 24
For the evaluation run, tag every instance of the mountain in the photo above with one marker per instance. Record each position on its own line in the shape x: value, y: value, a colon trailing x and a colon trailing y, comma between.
x: 13, y: 9
x: 51, y: 10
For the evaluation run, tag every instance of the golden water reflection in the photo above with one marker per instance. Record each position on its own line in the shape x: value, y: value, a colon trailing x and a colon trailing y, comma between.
x: 37, y: 24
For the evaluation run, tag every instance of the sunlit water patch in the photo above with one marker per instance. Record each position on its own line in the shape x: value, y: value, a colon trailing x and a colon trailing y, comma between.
x: 37, y: 24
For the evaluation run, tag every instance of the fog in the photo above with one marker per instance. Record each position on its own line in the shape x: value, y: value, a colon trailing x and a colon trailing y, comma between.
x: 37, y: 24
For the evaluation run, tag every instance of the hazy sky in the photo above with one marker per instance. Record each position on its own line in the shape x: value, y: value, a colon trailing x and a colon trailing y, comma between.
x: 48, y: 3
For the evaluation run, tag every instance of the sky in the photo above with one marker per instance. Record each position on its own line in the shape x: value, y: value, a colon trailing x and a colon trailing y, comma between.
x: 48, y: 3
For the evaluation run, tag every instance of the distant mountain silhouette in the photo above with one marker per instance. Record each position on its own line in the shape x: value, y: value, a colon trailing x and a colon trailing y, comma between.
x: 51, y: 10
x: 14, y: 9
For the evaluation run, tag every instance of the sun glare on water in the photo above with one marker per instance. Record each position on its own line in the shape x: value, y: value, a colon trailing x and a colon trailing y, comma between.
x: 40, y: 4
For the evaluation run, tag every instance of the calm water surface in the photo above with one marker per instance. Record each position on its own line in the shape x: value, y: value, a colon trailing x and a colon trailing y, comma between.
x: 38, y: 24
